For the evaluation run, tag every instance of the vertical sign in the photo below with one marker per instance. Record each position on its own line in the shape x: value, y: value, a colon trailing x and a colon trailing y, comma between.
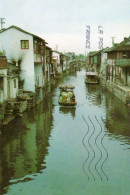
x: 100, y: 32
x: 88, y: 36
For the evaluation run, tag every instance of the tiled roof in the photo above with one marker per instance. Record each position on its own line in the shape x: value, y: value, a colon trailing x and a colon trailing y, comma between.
x: 123, y: 46
x: 93, y: 53
x: 20, y: 29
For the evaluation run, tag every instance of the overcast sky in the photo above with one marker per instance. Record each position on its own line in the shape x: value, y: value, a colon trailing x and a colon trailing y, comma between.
x: 63, y: 22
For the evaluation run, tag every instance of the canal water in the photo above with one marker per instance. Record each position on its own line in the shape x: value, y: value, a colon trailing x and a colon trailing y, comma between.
x: 56, y: 150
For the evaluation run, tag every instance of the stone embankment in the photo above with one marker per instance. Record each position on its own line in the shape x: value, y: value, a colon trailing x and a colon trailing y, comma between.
x: 122, y: 92
x: 13, y: 108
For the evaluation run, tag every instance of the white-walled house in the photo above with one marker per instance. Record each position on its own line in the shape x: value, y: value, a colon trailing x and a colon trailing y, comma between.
x: 3, y: 78
x: 8, y: 82
x: 48, y: 66
x: 27, y: 51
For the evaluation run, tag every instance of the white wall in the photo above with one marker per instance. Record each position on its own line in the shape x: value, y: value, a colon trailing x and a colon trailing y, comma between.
x: 10, y: 42
x: 103, y: 61
x: 64, y: 65
x: 38, y: 75
x: 3, y: 93
x: 13, y: 90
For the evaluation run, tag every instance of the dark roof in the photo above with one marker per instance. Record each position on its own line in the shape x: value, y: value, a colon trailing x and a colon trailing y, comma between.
x: 48, y: 47
x: 105, y: 50
x: 123, y: 46
x: 57, y: 52
x: 93, y: 53
x: 20, y: 29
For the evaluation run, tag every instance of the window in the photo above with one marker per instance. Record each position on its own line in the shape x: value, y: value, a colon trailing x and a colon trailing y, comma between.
x: 24, y: 44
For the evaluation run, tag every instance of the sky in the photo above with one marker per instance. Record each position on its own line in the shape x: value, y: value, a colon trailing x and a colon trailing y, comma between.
x: 62, y: 23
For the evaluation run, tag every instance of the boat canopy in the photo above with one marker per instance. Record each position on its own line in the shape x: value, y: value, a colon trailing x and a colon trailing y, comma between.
x: 67, y: 87
x: 91, y: 73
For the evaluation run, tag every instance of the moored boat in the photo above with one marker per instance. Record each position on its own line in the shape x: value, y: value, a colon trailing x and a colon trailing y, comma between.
x: 91, y: 78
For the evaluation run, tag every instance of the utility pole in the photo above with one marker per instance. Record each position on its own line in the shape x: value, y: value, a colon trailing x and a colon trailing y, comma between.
x: 56, y: 47
x: 112, y: 40
x: 2, y: 22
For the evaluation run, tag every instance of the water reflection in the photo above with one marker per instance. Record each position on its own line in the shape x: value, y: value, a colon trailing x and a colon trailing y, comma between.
x: 117, y: 118
x: 24, y: 144
x: 94, y: 94
x: 66, y: 110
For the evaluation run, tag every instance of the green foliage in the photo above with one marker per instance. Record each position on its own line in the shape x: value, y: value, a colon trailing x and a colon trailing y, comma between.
x: 1, y: 116
x: 80, y: 56
x: 2, y: 53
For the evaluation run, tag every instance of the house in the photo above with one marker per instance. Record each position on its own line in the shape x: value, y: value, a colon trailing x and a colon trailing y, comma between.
x: 56, y: 61
x: 28, y: 52
x: 97, y: 61
x: 72, y: 60
x: 104, y: 59
x: 8, y: 80
x: 63, y: 60
x: 91, y: 60
x: 3, y: 78
x: 119, y: 62
x: 118, y: 70
x: 49, y: 65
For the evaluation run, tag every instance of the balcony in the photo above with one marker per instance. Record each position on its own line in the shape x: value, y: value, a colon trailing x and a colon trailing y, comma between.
x: 119, y: 62
x: 37, y: 58
x: 123, y: 62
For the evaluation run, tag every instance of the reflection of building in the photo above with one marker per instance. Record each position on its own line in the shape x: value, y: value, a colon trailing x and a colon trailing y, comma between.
x: 67, y: 110
x: 117, y: 118
x: 24, y: 144
x: 94, y: 93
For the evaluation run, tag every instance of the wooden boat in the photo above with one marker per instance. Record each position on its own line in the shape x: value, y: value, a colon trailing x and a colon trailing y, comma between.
x: 91, y: 78
x: 67, y: 97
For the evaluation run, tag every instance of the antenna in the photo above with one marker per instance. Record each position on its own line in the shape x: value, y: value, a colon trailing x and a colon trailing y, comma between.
x: 2, y: 22
x: 112, y: 40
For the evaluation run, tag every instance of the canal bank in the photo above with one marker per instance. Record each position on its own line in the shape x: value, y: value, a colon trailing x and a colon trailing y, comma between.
x: 45, y: 152
x: 120, y: 91
x: 9, y: 110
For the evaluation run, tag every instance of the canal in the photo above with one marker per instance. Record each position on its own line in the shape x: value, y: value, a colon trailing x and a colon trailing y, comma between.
x: 55, y: 150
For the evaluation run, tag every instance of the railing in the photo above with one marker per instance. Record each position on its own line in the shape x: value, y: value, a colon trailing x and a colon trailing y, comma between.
x: 123, y: 62
x: 119, y: 62
x: 123, y: 91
